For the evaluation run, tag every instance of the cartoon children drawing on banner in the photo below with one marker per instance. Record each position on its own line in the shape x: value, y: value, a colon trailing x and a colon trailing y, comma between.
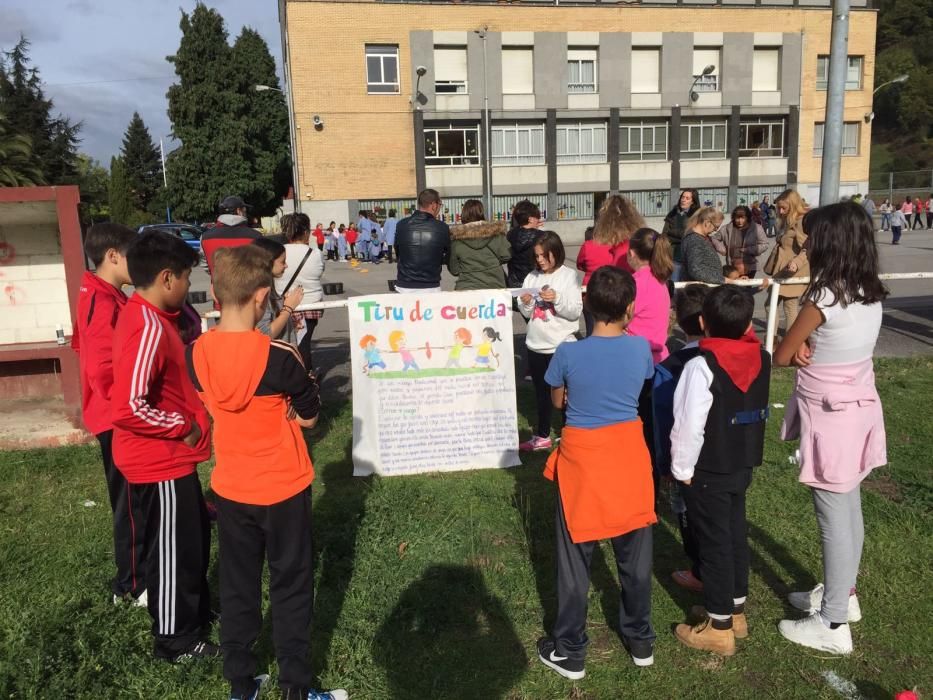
x: 462, y: 337
x: 373, y: 358
x: 399, y: 344
x: 484, y: 349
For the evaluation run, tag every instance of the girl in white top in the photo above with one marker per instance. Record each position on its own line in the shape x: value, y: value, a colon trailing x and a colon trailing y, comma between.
x: 305, y: 268
x: 553, y: 312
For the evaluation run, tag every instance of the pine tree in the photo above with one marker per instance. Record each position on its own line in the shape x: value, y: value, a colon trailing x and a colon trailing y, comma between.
x: 121, y: 200
x: 17, y: 162
x: 54, y: 138
x: 142, y: 164
x: 93, y: 180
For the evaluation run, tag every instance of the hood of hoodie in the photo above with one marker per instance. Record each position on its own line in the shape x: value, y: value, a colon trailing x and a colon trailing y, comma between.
x: 229, y: 366
x: 740, y: 359
x: 477, y: 233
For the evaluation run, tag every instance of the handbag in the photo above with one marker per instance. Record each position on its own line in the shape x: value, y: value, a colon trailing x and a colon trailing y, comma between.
x: 770, y: 266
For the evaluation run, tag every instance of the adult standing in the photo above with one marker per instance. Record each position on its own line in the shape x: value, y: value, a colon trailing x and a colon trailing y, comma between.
x: 789, y: 258
x: 907, y: 209
x: 701, y: 262
x: 741, y: 241
x: 526, y: 225
x: 869, y: 205
x: 886, y: 209
x: 478, y: 249
x: 230, y: 230
x: 675, y: 226
x: 423, y: 246
x: 768, y: 216
x: 388, y: 230
x: 304, y: 268
x: 919, y: 210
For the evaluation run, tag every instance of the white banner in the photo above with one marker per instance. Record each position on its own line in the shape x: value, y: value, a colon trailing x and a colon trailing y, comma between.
x: 433, y: 382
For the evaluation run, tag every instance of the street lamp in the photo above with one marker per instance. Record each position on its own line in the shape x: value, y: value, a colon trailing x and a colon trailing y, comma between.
x: 168, y: 209
x: 296, y: 198
x: 706, y: 71
x: 899, y: 79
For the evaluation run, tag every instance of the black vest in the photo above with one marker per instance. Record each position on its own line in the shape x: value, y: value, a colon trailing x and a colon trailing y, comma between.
x: 735, y: 428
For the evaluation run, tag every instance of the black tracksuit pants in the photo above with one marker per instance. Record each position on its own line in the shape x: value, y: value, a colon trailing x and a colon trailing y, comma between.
x: 129, y: 550
x: 280, y: 534
x: 716, y: 508
x: 178, y: 546
x: 537, y: 367
x: 633, y: 552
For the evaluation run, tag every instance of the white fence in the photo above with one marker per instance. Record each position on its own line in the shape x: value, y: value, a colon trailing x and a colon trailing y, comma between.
x: 773, y: 285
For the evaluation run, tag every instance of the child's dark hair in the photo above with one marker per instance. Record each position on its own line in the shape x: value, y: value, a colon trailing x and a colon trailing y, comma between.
x: 491, y: 333
x: 274, y: 249
x: 727, y: 311
x: 523, y: 211
x: 843, y: 255
x: 155, y: 251
x: 552, y: 246
x: 611, y: 290
x: 729, y: 270
x: 688, y: 305
x: 103, y: 237
x: 655, y: 249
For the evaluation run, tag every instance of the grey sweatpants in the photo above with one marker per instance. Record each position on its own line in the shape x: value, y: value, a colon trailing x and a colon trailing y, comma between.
x: 842, y: 531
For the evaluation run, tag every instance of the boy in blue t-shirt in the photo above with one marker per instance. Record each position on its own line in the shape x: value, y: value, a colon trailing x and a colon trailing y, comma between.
x: 603, y: 474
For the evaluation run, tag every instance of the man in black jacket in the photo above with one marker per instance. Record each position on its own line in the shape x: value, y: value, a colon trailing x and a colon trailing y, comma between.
x: 423, y: 244
x: 230, y: 230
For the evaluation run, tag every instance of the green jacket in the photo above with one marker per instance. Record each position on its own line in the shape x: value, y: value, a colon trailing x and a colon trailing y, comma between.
x: 477, y: 252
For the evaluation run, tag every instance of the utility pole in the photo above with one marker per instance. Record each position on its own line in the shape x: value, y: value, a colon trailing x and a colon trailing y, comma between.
x: 835, y: 104
x: 487, y: 125
x: 168, y: 209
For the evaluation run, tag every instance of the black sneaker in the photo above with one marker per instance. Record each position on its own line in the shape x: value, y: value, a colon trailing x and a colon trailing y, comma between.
x: 198, y: 650
x: 641, y: 651
x: 260, y: 681
x: 567, y: 667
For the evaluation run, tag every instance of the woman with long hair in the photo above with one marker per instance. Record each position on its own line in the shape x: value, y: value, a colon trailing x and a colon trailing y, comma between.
x: 741, y: 241
x: 835, y: 411
x: 701, y: 262
x: 649, y: 255
x: 790, y: 258
x: 305, y: 269
x: 675, y: 225
x: 478, y: 249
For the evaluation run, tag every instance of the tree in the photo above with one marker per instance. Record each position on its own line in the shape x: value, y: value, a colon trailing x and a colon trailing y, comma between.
x: 17, y: 162
x: 234, y: 140
x: 54, y: 138
x: 122, y: 210
x: 142, y: 164
x: 94, y: 182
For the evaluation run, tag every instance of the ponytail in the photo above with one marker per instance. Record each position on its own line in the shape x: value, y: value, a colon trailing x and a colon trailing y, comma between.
x: 655, y: 249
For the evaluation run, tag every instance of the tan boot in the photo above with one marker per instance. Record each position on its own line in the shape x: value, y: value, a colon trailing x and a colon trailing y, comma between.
x: 706, y: 637
x: 739, y: 622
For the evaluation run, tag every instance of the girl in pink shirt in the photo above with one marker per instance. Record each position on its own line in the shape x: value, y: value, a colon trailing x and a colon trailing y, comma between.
x: 652, y: 262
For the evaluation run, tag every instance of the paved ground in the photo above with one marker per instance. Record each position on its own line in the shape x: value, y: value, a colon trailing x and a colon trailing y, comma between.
x: 907, y: 329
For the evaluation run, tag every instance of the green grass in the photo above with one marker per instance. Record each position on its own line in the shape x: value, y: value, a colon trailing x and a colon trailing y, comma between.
x: 438, y: 586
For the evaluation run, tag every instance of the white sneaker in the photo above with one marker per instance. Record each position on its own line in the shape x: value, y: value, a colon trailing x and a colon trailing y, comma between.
x: 142, y: 601
x: 811, y: 632
x: 811, y: 601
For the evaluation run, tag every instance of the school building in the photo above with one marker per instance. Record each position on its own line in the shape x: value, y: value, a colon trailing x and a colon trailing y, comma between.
x: 564, y: 102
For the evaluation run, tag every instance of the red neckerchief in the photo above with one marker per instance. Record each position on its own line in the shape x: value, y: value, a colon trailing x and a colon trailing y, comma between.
x: 740, y: 359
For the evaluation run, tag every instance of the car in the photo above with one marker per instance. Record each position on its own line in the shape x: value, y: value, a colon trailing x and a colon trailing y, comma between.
x: 189, y: 233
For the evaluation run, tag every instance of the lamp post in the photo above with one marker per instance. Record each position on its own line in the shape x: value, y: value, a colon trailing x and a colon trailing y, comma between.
x: 168, y: 209
x: 899, y: 79
x: 706, y: 71
x: 487, y: 135
x: 291, y: 137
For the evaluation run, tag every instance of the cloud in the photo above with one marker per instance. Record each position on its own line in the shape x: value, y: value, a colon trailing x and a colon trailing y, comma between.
x: 17, y: 22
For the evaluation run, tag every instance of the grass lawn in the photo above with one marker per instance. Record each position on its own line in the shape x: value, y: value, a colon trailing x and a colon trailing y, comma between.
x: 438, y: 586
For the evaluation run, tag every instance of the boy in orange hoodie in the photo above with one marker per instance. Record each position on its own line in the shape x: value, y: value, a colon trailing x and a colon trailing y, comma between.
x: 260, y: 397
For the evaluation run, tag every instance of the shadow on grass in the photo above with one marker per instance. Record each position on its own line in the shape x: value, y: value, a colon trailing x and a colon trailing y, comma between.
x: 449, y: 637
x: 775, y: 580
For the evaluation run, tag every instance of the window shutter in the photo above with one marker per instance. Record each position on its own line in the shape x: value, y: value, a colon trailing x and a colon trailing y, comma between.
x: 646, y: 70
x: 517, y: 71
x: 765, y: 70
x: 450, y: 63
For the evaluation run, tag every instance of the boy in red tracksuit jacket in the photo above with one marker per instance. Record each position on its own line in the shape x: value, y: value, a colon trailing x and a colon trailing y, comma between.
x: 161, y: 432
x: 100, y: 301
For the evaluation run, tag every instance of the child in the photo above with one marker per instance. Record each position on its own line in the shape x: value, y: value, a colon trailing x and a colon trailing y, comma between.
x: 352, y: 237
x: 160, y: 433
x: 484, y: 351
x: 898, y: 223
x: 100, y: 301
x: 262, y: 479
x: 462, y: 338
x: 836, y: 411
x: 720, y: 408
x: 399, y: 344
x: 373, y: 358
x: 553, y: 317
x: 599, y: 496
x: 687, y: 307
x: 731, y: 272
x: 277, y: 319
x: 650, y: 257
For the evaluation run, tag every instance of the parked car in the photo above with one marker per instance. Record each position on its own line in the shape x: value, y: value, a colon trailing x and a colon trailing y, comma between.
x: 189, y: 233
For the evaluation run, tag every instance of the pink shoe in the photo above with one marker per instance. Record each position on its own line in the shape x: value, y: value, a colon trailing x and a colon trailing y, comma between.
x: 535, y: 443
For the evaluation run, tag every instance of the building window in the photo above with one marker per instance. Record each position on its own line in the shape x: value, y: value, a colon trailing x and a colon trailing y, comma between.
x: 766, y: 70
x: 451, y: 144
x: 853, y: 72
x: 382, y: 68
x: 518, y: 76
x: 703, y: 140
x: 583, y: 70
x: 850, y: 139
x: 581, y: 142
x: 643, y: 141
x: 646, y: 70
x: 450, y: 69
x: 761, y: 138
x: 701, y: 59
x: 518, y: 144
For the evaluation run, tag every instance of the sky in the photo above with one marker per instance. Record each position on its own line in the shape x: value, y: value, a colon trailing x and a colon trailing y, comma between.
x: 101, y: 60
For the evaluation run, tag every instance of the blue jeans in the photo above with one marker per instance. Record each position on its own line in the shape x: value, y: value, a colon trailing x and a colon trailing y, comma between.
x: 885, y: 221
